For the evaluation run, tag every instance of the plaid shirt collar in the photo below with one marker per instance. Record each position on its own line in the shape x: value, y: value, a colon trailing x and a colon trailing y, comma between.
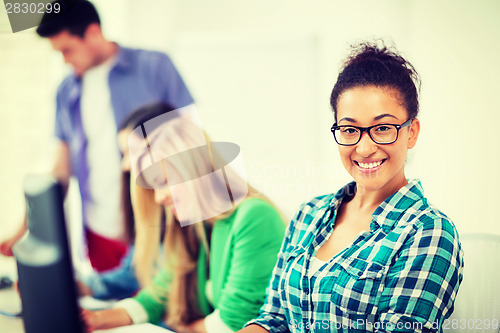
x: 384, y: 216
x: 389, y: 211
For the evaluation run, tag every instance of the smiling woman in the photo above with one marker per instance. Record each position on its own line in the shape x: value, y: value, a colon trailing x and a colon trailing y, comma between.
x: 375, y: 161
x: 375, y: 256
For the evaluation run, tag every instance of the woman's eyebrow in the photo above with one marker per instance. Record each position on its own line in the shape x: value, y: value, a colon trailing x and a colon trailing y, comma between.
x: 380, y: 116
x: 348, y: 119
x: 385, y: 115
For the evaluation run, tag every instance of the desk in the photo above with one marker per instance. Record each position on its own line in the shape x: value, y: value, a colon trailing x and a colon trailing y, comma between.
x: 11, y: 303
x: 9, y: 299
x: 11, y: 325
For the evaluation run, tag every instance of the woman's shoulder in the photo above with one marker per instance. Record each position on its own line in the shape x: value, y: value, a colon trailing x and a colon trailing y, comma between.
x: 319, y: 202
x: 421, y: 217
x: 325, y: 202
x: 255, y: 212
x: 314, y: 208
x: 430, y: 217
x: 255, y: 206
x: 409, y: 209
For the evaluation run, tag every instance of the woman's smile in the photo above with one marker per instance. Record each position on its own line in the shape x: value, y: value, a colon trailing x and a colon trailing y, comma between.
x: 376, y: 167
x: 369, y: 166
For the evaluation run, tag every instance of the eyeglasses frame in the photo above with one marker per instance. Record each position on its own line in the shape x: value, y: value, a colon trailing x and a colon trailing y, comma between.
x: 367, y: 129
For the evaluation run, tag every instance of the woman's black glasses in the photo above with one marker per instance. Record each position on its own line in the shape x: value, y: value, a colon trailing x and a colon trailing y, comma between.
x: 382, y: 134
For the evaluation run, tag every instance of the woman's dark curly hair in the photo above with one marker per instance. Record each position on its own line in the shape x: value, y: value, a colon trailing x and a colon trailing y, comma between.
x: 381, y: 66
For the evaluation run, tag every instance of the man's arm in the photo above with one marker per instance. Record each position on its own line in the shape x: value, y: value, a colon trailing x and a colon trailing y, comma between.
x: 62, y: 165
x: 6, y: 245
x: 61, y: 171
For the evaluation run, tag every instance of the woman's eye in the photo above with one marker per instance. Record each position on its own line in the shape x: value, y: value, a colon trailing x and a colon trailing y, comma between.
x: 382, y: 128
x: 349, y: 130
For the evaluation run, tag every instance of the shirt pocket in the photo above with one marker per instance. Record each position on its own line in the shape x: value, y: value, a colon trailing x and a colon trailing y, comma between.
x: 358, y: 286
x: 291, y: 277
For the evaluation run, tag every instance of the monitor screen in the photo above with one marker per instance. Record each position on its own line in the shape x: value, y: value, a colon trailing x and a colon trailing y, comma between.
x: 46, y: 281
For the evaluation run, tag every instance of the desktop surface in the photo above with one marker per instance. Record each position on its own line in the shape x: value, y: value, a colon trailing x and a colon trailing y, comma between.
x: 11, y: 303
x: 9, y: 299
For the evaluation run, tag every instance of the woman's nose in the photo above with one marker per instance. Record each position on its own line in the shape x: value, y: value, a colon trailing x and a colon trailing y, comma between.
x: 366, y: 147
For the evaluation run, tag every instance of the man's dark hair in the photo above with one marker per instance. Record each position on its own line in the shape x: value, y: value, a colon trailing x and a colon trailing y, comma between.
x: 74, y: 17
x: 372, y: 64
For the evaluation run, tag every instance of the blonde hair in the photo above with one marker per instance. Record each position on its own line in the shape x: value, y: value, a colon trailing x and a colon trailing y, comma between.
x: 182, y: 245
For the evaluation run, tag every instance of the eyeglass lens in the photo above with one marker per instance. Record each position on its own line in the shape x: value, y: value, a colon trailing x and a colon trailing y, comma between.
x: 380, y: 134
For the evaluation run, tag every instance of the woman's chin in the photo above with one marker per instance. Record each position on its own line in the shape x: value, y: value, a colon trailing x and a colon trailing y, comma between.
x: 379, y: 183
x: 370, y: 183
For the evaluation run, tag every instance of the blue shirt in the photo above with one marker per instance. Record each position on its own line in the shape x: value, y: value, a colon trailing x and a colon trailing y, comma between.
x: 138, y: 78
x: 401, y: 276
x: 117, y: 283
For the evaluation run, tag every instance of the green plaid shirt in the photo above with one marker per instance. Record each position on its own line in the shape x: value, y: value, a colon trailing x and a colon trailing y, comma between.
x: 401, y: 276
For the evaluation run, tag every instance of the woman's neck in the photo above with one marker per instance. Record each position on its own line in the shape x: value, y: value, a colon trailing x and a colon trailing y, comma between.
x: 369, y: 200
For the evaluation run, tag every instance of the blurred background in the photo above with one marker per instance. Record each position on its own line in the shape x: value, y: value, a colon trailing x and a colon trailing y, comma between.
x: 261, y: 73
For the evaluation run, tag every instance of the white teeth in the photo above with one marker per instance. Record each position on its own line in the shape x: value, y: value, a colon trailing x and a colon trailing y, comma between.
x: 369, y: 165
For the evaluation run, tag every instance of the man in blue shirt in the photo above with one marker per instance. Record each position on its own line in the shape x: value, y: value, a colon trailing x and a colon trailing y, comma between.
x: 108, y: 83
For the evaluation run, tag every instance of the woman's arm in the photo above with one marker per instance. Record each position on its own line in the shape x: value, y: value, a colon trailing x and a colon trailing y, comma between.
x: 256, y: 249
x: 257, y: 233
x: 103, y: 319
x: 253, y: 329
x: 153, y: 299
x: 147, y: 306
x: 422, y: 284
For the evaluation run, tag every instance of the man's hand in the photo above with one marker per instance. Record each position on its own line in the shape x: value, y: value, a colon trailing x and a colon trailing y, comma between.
x: 6, y: 245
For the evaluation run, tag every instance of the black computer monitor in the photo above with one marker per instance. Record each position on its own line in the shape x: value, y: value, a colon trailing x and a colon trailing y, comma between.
x: 46, y: 281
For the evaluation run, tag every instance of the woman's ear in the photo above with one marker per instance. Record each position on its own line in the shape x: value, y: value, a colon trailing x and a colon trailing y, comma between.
x: 413, y: 133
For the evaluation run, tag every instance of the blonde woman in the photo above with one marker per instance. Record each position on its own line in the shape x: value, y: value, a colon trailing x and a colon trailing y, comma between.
x: 218, y: 260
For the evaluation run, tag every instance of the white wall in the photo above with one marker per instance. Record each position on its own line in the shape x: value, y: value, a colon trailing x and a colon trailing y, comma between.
x: 456, y: 47
x: 453, y: 44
